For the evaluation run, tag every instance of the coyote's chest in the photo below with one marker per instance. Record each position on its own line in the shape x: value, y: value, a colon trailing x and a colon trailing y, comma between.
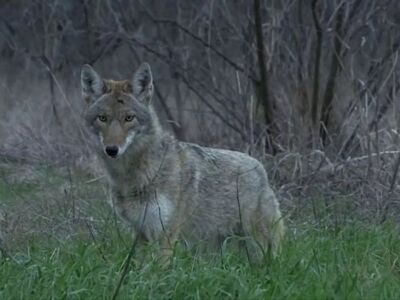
x: 148, y: 213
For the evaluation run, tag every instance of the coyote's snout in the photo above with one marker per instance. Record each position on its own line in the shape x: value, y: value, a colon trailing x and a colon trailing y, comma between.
x: 166, y: 189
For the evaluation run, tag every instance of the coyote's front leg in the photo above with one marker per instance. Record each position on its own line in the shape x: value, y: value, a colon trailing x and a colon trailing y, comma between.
x: 167, y: 243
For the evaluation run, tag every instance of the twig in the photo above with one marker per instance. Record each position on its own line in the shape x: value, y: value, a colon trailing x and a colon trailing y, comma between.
x: 189, y: 85
x: 95, y: 179
x: 203, y: 42
x: 240, y: 218
x: 130, y: 255
x: 136, y: 239
x: 94, y: 240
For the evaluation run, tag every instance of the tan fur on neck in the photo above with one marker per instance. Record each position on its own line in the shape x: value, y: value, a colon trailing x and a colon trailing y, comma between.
x: 117, y: 87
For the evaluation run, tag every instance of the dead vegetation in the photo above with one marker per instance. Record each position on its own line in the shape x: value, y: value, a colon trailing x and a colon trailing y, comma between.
x: 309, y: 87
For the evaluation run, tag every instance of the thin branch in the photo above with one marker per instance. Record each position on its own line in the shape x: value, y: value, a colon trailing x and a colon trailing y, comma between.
x: 190, y: 86
x: 318, y: 49
x: 130, y: 255
x: 242, y: 232
x: 203, y: 42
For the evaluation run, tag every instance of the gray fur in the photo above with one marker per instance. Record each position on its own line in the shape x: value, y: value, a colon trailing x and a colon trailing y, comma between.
x: 168, y: 190
x: 142, y: 82
x: 92, y: 84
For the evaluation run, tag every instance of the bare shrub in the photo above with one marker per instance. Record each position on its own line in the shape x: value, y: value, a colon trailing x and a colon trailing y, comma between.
x: 309, y: 87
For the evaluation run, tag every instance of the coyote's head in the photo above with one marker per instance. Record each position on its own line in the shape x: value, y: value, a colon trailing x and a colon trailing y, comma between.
x: 119, y: 112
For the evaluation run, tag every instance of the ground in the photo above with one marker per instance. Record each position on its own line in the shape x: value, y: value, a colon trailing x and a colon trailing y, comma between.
x: 78, y: 251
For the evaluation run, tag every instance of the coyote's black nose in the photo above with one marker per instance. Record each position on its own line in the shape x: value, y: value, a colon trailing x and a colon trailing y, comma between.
x: 112, y: 151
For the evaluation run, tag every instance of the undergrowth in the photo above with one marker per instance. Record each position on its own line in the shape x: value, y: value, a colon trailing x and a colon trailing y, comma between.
x: 61, y: 254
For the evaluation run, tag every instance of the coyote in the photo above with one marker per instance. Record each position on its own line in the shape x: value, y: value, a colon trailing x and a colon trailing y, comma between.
x: 169, y: 190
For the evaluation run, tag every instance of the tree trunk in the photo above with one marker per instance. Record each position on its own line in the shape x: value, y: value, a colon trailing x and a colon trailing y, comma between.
x: 331, y: 84
x: 262, y: 85
x: 318, y: 48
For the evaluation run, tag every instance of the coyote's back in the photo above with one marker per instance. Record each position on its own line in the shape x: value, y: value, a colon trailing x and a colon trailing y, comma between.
x: 229, y: 195
x: 168, y: 189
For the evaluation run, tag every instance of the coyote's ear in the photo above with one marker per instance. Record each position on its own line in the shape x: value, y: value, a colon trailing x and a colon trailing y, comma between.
x: 142, y: 83
x: 92, y: 83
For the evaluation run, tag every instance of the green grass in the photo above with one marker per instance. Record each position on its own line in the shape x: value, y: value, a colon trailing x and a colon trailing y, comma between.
x: 354, y: 262
x: 320, y: 259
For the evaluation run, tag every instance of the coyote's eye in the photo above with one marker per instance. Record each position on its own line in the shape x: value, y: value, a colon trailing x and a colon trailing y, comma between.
x: 129, y: 118
x: 102, y: 118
